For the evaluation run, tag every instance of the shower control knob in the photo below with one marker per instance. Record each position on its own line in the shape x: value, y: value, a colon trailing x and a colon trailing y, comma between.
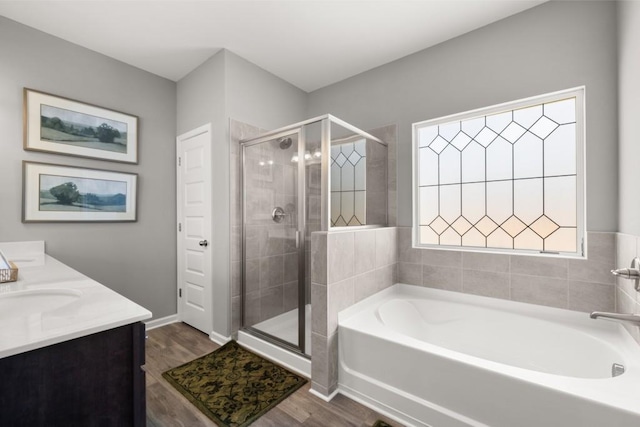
x: 203, y: 243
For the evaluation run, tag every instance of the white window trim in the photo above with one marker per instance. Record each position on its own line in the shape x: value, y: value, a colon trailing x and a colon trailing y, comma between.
x: 581, y: 198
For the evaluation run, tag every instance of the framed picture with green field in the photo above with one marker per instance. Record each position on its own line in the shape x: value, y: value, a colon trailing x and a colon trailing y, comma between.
x: 57, y: 193
x: 60, y: 125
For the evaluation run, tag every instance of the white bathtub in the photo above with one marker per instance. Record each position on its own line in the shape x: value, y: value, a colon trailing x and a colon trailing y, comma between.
x: 428, y: 357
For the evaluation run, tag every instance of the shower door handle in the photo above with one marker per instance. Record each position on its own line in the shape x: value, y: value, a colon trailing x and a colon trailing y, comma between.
x: 297, y: 239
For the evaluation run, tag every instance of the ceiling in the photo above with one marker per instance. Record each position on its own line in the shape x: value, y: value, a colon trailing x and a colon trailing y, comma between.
x: 309, y: 43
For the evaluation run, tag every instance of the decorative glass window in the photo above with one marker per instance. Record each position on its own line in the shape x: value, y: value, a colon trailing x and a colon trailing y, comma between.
x: 348, y: 183
x: 503, y: 178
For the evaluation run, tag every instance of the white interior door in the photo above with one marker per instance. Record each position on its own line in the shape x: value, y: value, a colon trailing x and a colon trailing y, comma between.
x: 195, y: 299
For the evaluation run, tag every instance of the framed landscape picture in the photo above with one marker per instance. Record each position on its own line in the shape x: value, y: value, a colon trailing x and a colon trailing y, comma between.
x: 64, y: 126
x: 56, y: 193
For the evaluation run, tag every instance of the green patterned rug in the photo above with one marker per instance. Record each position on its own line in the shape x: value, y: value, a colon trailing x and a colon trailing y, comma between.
x: 233, y: 386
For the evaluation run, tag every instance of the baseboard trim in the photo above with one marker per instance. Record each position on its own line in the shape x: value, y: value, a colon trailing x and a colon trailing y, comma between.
x: 218, y: 338
x: 322, y: 396
x: 299, y: 364
x: 163, y: 321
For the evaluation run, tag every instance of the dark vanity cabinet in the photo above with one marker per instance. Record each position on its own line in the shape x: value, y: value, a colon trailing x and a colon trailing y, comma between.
x: 96, y: 380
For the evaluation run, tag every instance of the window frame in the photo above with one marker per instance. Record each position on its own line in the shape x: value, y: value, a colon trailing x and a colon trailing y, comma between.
x: 581, y: 235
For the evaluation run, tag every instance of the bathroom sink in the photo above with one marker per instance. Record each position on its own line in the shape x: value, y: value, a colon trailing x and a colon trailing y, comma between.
x: 24, y: 303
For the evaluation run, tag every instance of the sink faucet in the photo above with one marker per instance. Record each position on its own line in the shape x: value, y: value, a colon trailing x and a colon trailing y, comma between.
x: 635, y: 318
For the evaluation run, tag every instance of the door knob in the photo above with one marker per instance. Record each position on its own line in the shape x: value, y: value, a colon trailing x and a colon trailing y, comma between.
x: 203, y: 243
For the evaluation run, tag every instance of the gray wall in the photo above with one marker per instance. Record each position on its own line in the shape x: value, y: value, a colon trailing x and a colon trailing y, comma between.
x: 628, y: 242
x: 137, y: 259
x: 554, y: 46
x: 629, y: 111
x: 228, y: 87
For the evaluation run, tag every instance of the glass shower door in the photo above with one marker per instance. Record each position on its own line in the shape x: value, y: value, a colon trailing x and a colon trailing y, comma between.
x: 273, y: 246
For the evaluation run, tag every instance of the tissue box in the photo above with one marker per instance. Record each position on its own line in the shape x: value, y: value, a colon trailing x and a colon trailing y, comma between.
x: 8, y: 270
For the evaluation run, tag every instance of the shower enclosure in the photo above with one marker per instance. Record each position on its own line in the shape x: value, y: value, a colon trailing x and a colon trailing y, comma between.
x: 318, y: 175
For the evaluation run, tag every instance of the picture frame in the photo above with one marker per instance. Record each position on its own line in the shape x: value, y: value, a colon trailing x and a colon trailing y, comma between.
x: 58, y: 193
x: 59, y: 125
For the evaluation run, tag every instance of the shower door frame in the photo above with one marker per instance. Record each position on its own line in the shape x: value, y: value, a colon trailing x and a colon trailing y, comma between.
x: 300, y: 232
x: 325, y: 213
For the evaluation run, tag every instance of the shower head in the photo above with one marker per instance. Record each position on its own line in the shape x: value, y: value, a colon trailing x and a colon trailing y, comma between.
x: 285, y: 142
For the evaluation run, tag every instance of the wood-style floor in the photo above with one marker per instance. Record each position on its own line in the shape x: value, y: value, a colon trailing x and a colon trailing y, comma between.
x: 178, y: 343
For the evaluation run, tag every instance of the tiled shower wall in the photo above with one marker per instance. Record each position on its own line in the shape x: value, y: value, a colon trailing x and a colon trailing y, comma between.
x: 582, y: 285
x: 346, y: 267
x: 627, y: 300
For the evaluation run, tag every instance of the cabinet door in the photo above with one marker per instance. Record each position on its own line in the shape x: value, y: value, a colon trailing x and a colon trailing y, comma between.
x: 90, y: 381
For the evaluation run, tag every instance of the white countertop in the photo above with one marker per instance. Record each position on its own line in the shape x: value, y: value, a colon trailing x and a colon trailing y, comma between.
x: 51, y: 302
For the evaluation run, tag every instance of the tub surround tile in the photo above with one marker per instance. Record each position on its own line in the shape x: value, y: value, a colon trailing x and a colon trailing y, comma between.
x: 376, y: 207
x: 486, y: 283
x: 365, y: 250
x: 367, y: 284
x: 601, y: 252
x: 324, y: 366
x: 539, y: 290
x: 626, y: 249
x: 393, y: 208
x: 319, y: 257
x: 601, y: 246
x: 628, y: 286
x: 406, y: 253
x: 410, y: 273
x: 447, y: 278
x: 347, y: 264
x: 539, y: 266
x: 625, y: 303
x: 588, y: 297
x: 319, y: 312
x: 340, y: 295
x: 479, y: 261
x: 340, y: 256
x: 386, y: 246
x: 389, y: 134
x: 593, y: 271
x: 442, y: 258
x: 320, y: 363
x: 628, y: 304
x: 319, y: 388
